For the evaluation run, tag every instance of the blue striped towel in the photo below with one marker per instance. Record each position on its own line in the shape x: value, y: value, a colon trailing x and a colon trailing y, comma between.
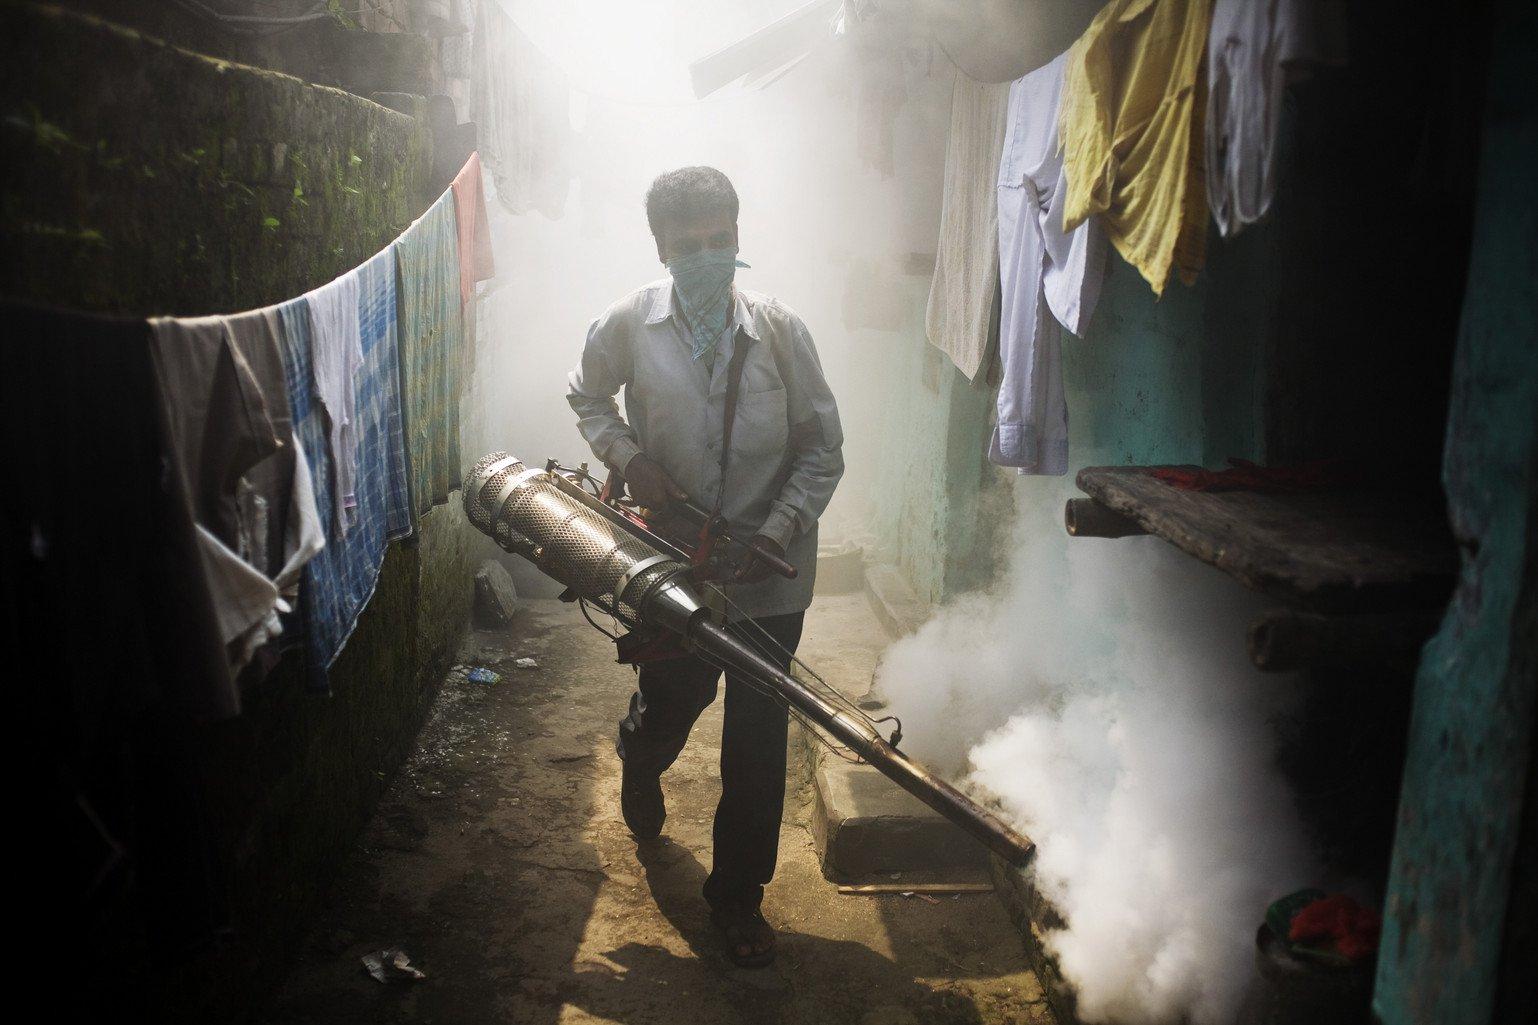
x: 339, y: 581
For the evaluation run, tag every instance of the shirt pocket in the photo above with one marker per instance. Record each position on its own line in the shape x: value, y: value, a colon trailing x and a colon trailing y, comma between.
x: 762, y: 426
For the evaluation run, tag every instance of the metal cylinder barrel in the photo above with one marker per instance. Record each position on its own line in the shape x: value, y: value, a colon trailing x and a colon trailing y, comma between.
x: 571, y: 536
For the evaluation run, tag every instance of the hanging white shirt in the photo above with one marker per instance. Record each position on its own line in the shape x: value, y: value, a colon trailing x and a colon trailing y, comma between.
x: 1254, y: 47
x: 1048, y: 279
x: 336, y: 339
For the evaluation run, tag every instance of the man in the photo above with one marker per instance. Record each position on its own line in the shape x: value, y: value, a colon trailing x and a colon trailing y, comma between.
x: 677, y: 346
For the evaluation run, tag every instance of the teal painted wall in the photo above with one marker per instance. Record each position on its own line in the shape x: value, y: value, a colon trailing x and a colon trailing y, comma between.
x: 1458, y: 941
x: 1171, y: 380
x: 931, y: 477
x: 1144, y: 385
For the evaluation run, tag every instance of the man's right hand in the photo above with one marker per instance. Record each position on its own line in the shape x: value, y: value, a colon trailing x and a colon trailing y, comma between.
x: 650, y: 484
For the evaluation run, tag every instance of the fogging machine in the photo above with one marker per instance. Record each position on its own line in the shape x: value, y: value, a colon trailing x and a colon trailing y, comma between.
x: 646, y: 571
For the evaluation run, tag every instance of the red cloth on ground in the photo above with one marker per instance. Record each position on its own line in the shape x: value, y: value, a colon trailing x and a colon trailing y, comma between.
x: 474, y: 228
x: 1340, y: 921
x: 1243, y: 475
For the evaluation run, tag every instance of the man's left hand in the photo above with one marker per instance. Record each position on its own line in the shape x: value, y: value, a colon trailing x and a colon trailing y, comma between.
x: 751, y: 570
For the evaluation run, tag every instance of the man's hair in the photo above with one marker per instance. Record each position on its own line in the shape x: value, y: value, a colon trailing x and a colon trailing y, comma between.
x: 688, y: 194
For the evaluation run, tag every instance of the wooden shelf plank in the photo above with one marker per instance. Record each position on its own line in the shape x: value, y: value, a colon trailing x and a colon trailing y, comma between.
x: 1337, y: 550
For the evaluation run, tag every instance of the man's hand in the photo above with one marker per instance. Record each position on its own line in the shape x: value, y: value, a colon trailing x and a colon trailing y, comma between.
x: 751, y: 570
x: 650, y: 484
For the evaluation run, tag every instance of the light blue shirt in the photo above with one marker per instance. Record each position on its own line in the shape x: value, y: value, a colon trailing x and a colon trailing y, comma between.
x: 787, y: 443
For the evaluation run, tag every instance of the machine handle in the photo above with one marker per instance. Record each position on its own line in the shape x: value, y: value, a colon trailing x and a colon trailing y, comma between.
x: 699, y: 517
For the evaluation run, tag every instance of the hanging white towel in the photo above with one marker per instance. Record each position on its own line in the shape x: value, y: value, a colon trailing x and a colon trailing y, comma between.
x: 966, y: 258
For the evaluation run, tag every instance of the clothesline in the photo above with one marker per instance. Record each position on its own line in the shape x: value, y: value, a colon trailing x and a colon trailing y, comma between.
x: 1033, y: 192
x: 309, y: 434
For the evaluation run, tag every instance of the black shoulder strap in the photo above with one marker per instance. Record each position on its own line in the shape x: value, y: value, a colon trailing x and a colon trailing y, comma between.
x: 733, y: 386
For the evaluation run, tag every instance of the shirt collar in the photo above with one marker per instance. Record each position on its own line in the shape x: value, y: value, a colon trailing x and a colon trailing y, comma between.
x: 662, y: 309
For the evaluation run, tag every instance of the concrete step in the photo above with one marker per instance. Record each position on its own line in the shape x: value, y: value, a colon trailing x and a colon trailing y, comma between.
x: 895, y: 604
x: 868, y: 829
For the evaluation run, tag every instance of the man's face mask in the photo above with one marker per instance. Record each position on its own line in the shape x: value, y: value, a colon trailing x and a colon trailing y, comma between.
x: 703, y: 283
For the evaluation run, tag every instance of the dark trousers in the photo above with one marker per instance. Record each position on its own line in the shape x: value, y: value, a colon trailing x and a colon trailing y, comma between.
x: 670, y: 697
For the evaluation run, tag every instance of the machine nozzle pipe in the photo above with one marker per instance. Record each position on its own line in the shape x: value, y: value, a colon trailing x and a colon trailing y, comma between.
x: 861, y: 738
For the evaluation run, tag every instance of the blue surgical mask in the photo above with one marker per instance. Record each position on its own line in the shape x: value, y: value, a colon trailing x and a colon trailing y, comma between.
x: 703, y: 284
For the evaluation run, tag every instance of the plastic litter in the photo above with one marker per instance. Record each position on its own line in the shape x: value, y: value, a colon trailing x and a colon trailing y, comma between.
x: 483, y: 676
x: 526, y: 663
x: 392, y: 965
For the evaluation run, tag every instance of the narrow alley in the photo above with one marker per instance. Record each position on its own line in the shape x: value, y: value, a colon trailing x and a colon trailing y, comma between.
x: 498, y: 860
x: 811, y: 512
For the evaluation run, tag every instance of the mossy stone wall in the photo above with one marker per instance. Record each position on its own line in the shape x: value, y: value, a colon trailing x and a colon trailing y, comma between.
x: 166, y: 182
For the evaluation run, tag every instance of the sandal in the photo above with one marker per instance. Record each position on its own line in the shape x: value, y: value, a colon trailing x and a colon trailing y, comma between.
x: 745, y: 929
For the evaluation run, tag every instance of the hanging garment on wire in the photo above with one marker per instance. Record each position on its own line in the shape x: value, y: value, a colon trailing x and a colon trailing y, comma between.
x: 340, y: 579
x: 219, y: 415
x: 1049, y: 279
x: 965, y: 282
x: 1255, y: 49
x: 522, y: 114
x: 474, y: 228
x: 1132, y: 130
x: 222, y: 387
x: 336, y: 359
x: 280, y: 528
x: 431, y: 340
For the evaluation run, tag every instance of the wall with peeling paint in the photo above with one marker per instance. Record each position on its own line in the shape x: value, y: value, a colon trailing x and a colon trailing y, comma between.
x: 1458, y: 940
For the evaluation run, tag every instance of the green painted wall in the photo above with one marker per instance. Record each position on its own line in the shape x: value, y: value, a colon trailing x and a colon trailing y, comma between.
x: 171, y: 183
x: 1459, y: 938
x: 1141, y: 385
x: 931, y: 474
x: 1175, y: 380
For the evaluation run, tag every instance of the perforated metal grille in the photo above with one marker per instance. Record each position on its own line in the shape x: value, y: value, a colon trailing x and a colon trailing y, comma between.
x: 579, y: 547
x: 568, y: 540
x: 638, y: 587
x: 482, y: 484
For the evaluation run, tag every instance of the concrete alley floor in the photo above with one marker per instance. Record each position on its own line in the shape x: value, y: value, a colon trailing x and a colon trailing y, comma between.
x: 498, y: 860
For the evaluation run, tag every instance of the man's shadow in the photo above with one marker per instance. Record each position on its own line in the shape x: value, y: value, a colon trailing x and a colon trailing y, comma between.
x: 813, y: 980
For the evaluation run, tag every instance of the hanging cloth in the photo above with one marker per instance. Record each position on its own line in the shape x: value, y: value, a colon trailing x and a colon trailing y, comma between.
x: 474, y: 228
x: 431, y: 340
x: 221, y: 385
x: 1049, y: 279
x: 1132, y: 118
x: 336, y: 357
x: 341, y: 578
x: 85, y: 387
x: 965, y: 283
x: 522, y: 110
x: 1256, y: 47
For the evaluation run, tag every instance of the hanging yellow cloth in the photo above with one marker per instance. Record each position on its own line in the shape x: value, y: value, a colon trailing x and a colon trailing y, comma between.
x: 1134, y: 102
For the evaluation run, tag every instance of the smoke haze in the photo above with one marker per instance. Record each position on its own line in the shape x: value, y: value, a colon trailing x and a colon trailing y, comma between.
x: 815, y: 214
x: 1101, y: 691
